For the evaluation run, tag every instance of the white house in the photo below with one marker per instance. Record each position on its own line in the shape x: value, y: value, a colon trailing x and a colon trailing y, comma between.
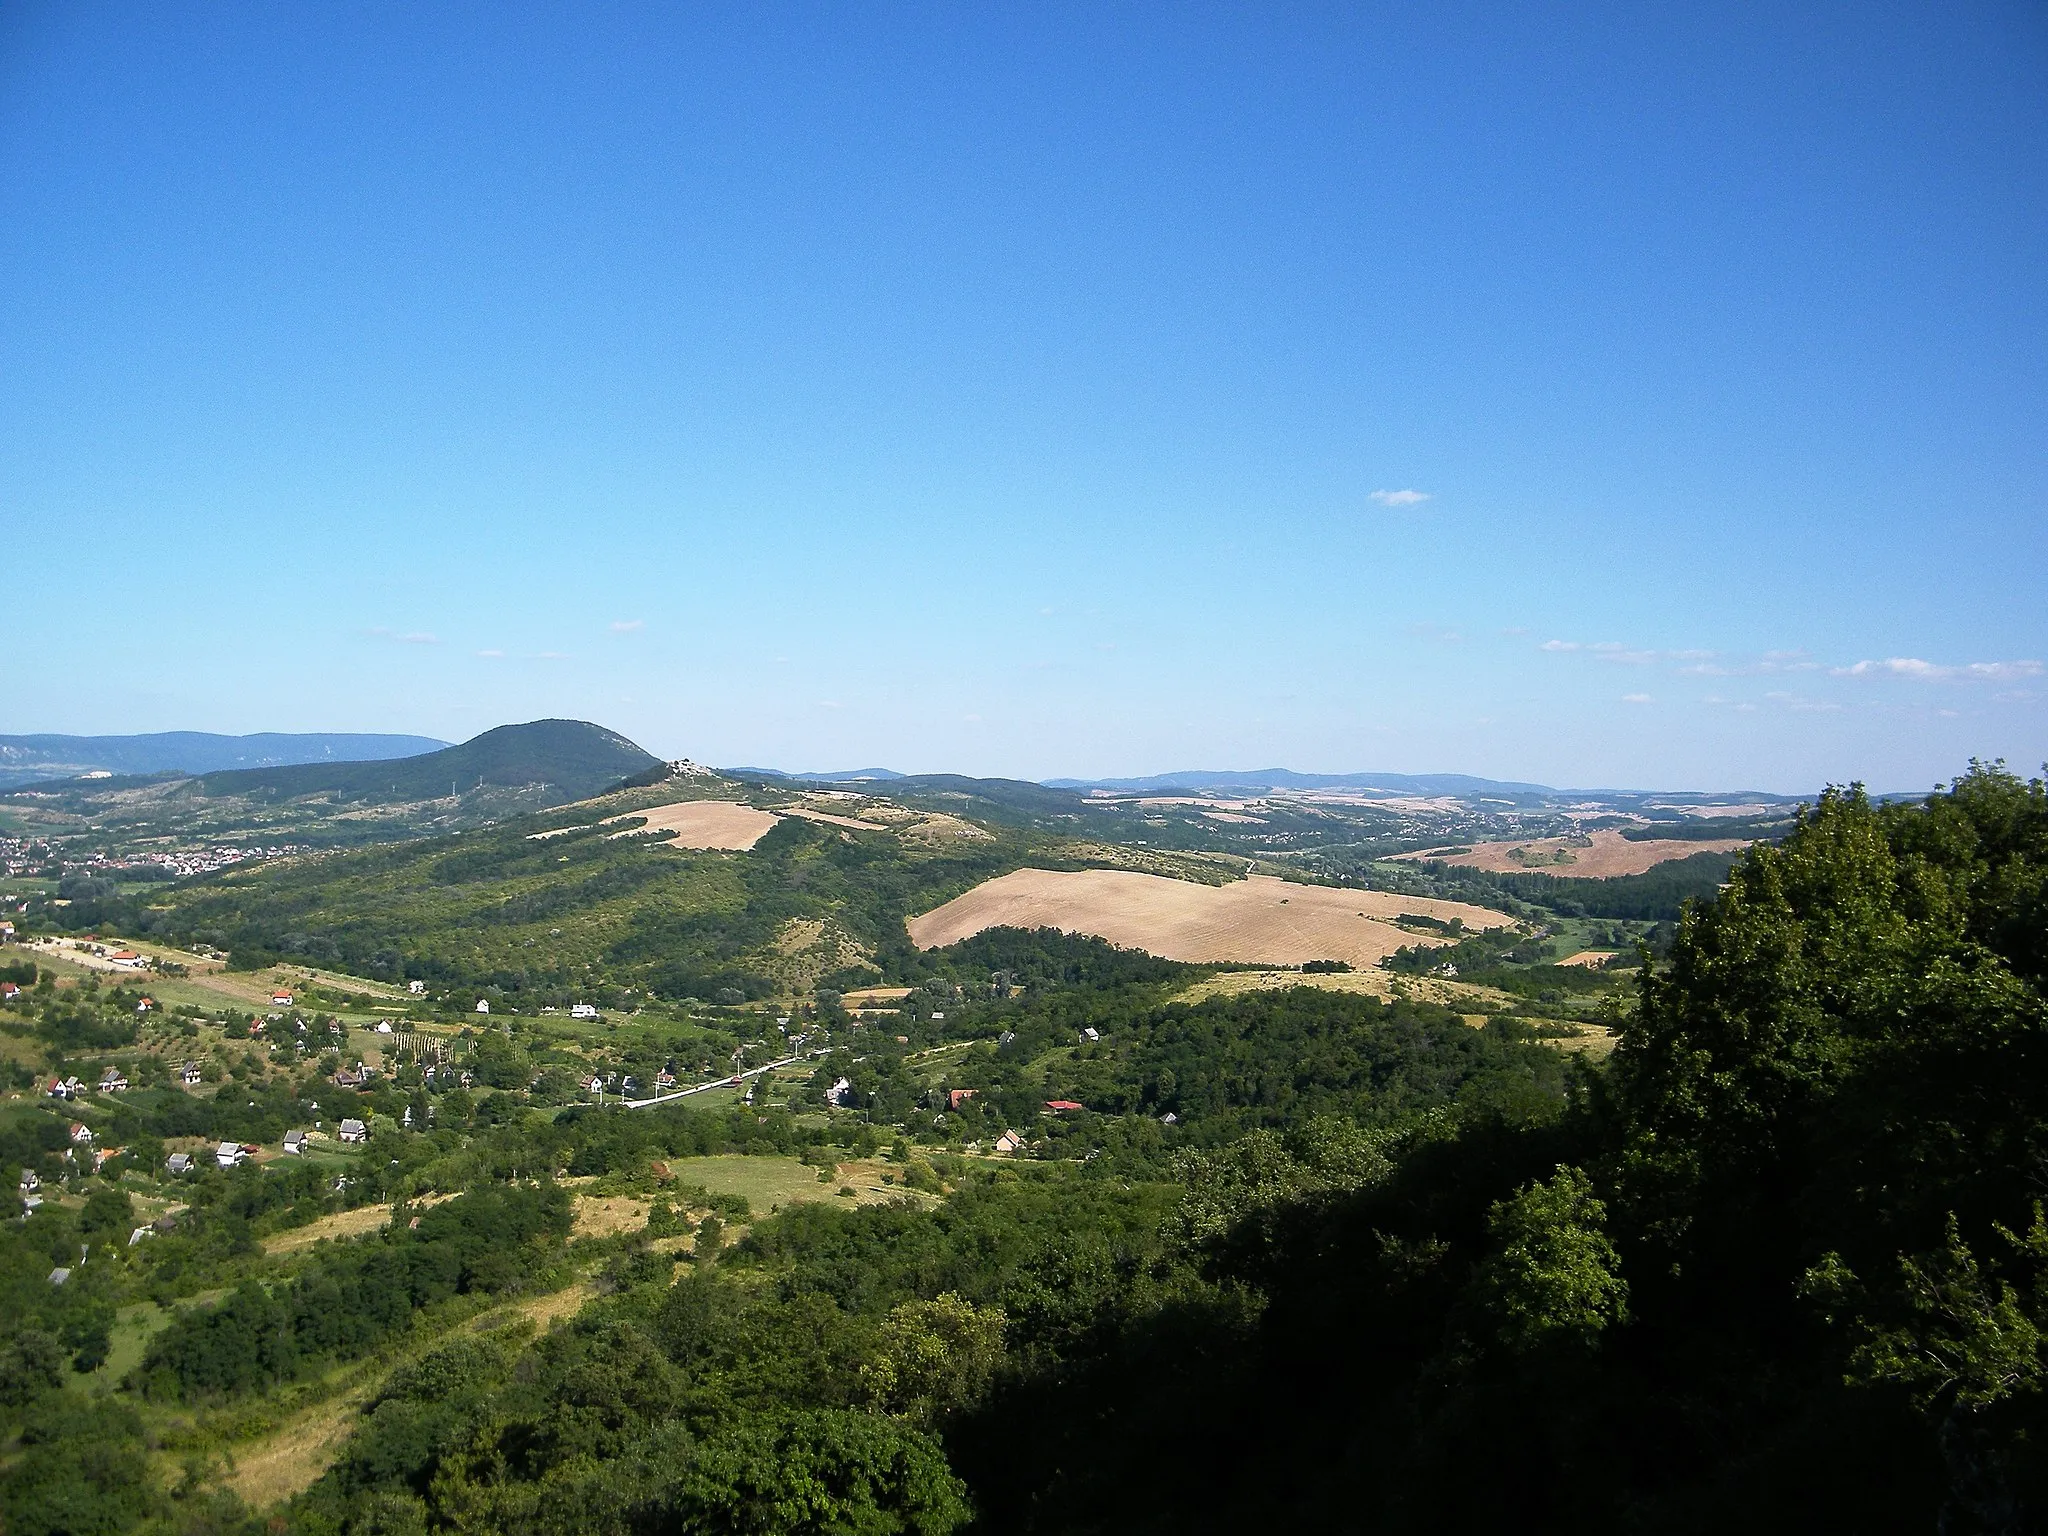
x: 383, y: 1026
x: 1009, y: 1142
x: 840, y: 1093
x: 583, y: 1011
x: 189, y: 1074
x: 280, y: 999
x: 354, y: 1130
x: 295, y: 1142
x: 483, y: 1005
x: 416, y: 988
x: 113, y: 1080
x: 81, y: 1135
x: 229, y: 1154
x: 178, y: 1162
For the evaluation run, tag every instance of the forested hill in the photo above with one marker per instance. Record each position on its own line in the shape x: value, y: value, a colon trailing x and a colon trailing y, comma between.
x: 573, y: 757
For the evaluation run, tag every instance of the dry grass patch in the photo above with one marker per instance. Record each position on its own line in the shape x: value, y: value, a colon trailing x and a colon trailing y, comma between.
x: 363, y: 1219
x: 1384, y: 985
x: 608, y: 1215
x: 1258, y: 918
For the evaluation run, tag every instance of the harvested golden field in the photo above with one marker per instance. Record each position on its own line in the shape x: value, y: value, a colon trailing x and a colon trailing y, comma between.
x: 1259, y: 918
x: 1610, y: 854
x: 1591, y: 959
x: 705, y: 824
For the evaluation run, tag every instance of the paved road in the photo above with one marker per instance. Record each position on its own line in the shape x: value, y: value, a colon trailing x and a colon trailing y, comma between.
x: 723, y: 1082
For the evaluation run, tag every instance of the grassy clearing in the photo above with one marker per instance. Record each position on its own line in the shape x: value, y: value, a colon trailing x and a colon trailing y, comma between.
x: 769, y: 1182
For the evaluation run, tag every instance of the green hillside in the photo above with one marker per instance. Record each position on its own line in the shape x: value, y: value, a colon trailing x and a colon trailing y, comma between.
x: 1083, y: 1258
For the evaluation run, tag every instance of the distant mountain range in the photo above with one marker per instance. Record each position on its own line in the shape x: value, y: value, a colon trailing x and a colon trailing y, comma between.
x: 1287, y: 778
x: 836, y: 776
x: 27, y: 759
x: 567, y: 759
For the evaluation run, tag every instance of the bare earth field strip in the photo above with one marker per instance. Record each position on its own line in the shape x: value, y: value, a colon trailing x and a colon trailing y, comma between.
x: 1611, y: 855
x: 1260, y: 918
x: 705, y: 824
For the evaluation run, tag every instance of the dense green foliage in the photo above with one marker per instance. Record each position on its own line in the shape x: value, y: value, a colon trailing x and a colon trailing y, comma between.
x: 1781, y: 1265
x: 349, y: 1299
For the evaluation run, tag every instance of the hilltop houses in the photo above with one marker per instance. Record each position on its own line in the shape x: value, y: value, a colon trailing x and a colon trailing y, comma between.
x: 113, y: 1080
x: 295, y: 1142
x: 81, y: 1135
x: 354, y: 1131
x: 583, y: 1010
x: 178, y: 1163
x: 229, y: 1154
x: 280, y: 999
x: 189, y: 1074
x: 128, y: 960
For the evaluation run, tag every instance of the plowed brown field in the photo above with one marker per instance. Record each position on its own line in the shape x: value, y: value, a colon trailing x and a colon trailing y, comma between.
x: 1258, y: 919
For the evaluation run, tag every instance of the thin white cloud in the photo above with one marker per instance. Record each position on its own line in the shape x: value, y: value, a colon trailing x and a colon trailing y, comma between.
x: 493, y: 655
x: 830, y: 704
x: 1936, y: 672
x: 419, y: 638
x: 550, y: 655
x: 1637, y: 698
x: 627, y: 626
x: 1399, y: 498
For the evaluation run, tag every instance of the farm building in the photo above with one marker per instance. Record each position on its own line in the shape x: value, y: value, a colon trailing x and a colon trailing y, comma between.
x: 295, y: 1142
x: 354, y: 1130
x: 229, y: 1154
x: 178, y: 1162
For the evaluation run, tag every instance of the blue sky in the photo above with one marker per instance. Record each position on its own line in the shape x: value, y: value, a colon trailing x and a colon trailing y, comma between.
x: 1580, y: 394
